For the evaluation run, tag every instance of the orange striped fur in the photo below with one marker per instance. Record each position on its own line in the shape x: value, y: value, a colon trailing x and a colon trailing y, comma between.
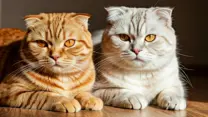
x: 9, y: 35
x: 52, y: 68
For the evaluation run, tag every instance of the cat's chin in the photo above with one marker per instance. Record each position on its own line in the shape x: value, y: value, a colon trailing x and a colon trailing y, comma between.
x: 56, y: 70
x: 129, y: 64
x: 136, y: 65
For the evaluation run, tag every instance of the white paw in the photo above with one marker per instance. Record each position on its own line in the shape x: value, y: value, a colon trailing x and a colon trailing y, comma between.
x: 172, y: 102
x: 131, y: 102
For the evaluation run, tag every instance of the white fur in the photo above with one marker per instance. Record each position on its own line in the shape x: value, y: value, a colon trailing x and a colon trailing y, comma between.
x: 128, y: 83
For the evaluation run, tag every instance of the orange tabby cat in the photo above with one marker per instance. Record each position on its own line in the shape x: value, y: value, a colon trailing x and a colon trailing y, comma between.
x: 52, y: 68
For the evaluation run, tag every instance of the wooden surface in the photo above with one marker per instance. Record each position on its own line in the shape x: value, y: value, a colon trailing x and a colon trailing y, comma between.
x: 197, y: 107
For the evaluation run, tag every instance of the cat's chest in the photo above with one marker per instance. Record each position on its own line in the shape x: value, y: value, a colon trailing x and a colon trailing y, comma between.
x: 140, y: 80
x: 66, y: 83
x: 136, y: 81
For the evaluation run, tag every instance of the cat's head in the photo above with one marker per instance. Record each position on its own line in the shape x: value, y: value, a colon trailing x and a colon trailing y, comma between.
x: 57, y: 42
x: 139, y: 37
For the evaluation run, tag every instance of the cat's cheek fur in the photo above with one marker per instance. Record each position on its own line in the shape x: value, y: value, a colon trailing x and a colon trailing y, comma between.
x: 37, y: 52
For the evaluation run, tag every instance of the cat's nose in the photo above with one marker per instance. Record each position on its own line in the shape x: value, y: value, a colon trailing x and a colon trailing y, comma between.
x: 136, y: 51
x: 55, y: 57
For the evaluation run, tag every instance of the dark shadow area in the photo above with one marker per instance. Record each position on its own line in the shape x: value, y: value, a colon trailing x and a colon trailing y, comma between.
x: 9, y: 55
x: 199, y: 90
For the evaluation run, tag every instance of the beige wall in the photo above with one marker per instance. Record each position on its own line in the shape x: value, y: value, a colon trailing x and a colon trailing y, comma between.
x: 189, y: 19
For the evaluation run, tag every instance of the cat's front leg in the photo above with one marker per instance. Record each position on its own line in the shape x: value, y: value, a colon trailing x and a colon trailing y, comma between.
x: 89, y: 102
x: 40, y: 100
x: 172, y: 98
x: 122, y: 98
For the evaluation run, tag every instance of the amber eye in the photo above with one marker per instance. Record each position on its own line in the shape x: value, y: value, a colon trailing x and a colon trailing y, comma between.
x: 41, y: 43
x: 124, y: 37
x: 69, y: 43
x: 150, y: 37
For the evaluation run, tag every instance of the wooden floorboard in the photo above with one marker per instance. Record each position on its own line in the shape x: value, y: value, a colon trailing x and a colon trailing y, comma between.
x: 197, y: 107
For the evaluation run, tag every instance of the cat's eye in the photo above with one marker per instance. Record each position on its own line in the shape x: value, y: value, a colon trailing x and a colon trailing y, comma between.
x: 69, y: 43
x: 41, y: 43
x: 150, y: 37
x: 124, y: 37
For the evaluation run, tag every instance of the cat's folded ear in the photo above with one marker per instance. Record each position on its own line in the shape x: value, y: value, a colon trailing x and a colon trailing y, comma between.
x: 82, y: 18
x: 165, y: 14
x: 32, y: 20
x: 115, y: 13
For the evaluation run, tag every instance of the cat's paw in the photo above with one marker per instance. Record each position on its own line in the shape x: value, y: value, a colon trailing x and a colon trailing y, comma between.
x: 66, y: 105
x: 92, y: 103
x: 131, y: 102
x: 172, y: 102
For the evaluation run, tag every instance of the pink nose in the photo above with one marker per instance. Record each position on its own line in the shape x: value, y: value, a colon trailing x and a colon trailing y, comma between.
x: 55, y: 57
x: 136, y: 51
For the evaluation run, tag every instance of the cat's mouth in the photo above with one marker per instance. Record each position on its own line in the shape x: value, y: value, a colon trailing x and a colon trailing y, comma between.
x: 138, y: 59
x: 57, y: 65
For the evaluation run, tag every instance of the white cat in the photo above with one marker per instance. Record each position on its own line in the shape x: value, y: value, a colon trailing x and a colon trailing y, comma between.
x: 138, y: 60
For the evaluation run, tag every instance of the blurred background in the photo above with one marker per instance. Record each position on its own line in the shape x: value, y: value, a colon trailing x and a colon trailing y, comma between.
x: 190, y: 19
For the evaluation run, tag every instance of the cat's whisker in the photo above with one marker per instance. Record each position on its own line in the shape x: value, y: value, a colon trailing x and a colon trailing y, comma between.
x: 185, y: 68
x: 100, y: 66
x: 185, y: 77
x: 184, y: 55
x: 18, y: 62
x: 156, y: 3
x: 106, y: 60
x: 38, y: 67
x: 43, y: 63
x: 43, y: 60
x: 110, y: 57
x: 19, y: 70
